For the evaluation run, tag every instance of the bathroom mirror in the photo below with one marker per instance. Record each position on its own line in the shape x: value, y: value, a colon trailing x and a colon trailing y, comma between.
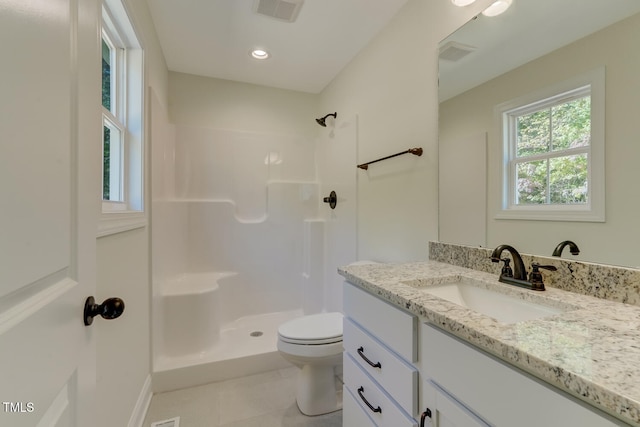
x: 534, y: 45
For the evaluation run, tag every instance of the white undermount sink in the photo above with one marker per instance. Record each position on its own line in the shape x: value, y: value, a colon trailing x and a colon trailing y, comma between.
x: 478, y: 296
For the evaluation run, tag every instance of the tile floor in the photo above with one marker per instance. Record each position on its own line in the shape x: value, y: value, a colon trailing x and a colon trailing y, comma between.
x: 265, y: 400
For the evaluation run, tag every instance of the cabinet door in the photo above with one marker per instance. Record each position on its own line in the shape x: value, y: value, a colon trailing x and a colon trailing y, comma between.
x: 446, y: 411
x: 495, y: 390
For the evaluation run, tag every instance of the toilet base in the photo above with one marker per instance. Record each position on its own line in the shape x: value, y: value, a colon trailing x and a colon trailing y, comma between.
x: 316, y: 392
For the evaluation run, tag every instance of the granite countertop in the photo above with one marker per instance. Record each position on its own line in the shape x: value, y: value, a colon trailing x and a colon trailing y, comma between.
x: 592, y: 350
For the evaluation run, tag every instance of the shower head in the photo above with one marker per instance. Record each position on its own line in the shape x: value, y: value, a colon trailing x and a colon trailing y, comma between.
x: 321, y: 121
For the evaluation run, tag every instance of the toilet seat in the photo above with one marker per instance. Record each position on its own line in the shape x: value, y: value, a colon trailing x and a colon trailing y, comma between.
x: 315, y: 329
x: 311, y: 342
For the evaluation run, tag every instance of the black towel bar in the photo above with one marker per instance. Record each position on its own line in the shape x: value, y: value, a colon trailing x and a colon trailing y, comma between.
x: 415, y: 151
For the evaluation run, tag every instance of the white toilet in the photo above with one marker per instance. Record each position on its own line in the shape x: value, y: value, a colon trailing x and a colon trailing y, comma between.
x: 313, y: 343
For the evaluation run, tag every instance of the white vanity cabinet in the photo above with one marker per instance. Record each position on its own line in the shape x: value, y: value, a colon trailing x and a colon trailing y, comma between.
x: 465, y: 387
x: 445, y: 411
x: 380, y: 348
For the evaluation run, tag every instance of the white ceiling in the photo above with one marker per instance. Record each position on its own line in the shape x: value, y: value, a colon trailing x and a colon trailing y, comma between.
x: 213, y: 38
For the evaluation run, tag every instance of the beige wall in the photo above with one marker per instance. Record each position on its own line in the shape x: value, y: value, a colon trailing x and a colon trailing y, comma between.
x: 612, y: 242
x: 123, y: 345
x: 392, y: 87
x: 224, y: 104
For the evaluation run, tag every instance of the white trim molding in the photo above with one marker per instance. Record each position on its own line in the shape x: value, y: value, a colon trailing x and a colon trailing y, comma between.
x: 142, y: 405
x: 118, y: 222
x: 594, y: 210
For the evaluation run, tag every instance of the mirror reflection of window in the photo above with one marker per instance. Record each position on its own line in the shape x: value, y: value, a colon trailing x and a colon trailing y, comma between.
x: 551, y: 146
x: 553, y: 151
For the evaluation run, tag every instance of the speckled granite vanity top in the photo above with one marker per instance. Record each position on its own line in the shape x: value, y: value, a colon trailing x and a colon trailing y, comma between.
x: 591, y: 350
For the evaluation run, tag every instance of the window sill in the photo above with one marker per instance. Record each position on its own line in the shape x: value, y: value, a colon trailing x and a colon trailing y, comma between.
x: 550, y: 214
x: 118, y: 222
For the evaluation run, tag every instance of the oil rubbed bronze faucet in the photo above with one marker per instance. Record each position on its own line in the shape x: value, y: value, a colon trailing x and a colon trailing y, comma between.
x: 573, y: 248
x: 518, y: 276
x: 520, y: 272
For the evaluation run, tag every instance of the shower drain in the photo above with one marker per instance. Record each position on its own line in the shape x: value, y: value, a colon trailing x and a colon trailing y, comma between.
x: 256, y: 334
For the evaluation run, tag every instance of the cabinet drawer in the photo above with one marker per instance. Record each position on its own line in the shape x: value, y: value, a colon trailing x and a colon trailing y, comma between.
x: 394, y: 327
x: 397, y: 377
x: 383, y: 411
x: 353, y: 415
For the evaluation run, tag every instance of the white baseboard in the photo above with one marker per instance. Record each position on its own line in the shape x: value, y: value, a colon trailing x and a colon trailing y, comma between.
x: 142, y: 405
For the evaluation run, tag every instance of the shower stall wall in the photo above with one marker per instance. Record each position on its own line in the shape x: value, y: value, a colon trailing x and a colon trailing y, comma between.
x: 237, y: 248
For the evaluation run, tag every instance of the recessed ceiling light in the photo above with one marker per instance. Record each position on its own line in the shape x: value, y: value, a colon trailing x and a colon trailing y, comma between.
x: 259, y: 54
x: 462, y: 2
x: 497, y: 7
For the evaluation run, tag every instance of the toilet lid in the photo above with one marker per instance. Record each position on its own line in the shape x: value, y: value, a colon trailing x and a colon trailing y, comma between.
x: 320, y: 328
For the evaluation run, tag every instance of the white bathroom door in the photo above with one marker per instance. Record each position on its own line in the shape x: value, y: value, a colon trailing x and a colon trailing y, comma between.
x: 48, y: 212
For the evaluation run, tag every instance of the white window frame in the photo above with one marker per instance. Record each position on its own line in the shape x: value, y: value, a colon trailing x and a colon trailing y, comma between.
x: 127, y: 115
x: 594, y: 210
x: 116, y: 163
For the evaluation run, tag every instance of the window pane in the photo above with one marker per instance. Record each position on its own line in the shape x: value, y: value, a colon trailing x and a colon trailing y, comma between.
x: 111, y: 162
x: 568, y: 179
x: 571, y: 123
x: 531, y: 183
x: 106, y: 76
x: 106, y: 153
x: 533, y: 133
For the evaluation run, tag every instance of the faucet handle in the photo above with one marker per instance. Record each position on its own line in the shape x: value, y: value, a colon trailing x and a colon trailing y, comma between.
x: 535, y: 266
x: 506, y: 268
x: 535, y: 277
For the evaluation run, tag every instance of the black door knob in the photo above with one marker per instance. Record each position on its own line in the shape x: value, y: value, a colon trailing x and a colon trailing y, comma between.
x: 111, y: 308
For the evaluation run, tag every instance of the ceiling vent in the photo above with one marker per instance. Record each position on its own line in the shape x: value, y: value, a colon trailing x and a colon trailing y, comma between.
x: 454, y: 51
x: 282, y: 10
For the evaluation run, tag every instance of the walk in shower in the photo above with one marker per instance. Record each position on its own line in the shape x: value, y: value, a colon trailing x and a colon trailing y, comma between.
x: 241, y: 242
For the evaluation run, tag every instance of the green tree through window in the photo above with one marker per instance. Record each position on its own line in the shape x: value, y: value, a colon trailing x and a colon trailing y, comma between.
x: 106, y: 75
x: 106, y: 136
x: 550, y: 167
